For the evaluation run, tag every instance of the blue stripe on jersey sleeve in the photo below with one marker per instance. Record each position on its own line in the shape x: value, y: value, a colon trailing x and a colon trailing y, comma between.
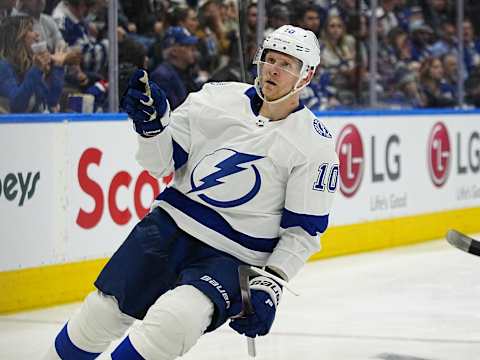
x: 180, y: 156
x: 312, y: 224
x: 213, y: 220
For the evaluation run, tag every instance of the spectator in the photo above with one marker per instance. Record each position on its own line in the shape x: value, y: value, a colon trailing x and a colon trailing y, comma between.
x: 402, y: 12
x: 406, y: 90
x: 232, y: 71
x: 472, y: 88
x: 473, y: 10
x: 431, y: 81
x: 338, y: 58
x: 180, y: 15
x: 437, y: 12
x: 133, y: 52
x: 319, y: 94
x: 401, y: 45
x: 47, y: 29
x: 43, y: 24
x: 447, y: 42
x: 6, y: 7
x: 70, y: 16
x: 450, y: 69
x: 423, y: 38
x: 413, y: 16
x: 414, y: 67
x: 185, y: 17
x: 28, y: 82
x: 338, y: 48
x: 50, y: 5
x: 144, y: 16
x: 252, y: 18
x: 347, y: 10
x: 214, y: 43
x: 250, y: 38
x: 387, y: 52
x: 278, y: 15
x: 472, y: 47
x: 309, y: 19
x: 228, y: 9
x: 174, y: 75
x: 389, y: 19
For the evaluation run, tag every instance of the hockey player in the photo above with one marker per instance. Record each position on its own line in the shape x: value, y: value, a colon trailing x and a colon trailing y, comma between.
x: 255, y: 173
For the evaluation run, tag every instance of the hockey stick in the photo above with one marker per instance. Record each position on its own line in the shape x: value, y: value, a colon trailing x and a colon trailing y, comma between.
x: 463, y: 242
x: 244, y: 273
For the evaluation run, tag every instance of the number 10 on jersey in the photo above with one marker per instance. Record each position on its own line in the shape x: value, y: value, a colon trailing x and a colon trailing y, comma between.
x: 327, y: 178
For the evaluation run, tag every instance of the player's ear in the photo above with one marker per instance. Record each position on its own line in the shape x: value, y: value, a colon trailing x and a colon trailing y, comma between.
x: 310, y: 74
x: 309, y: 77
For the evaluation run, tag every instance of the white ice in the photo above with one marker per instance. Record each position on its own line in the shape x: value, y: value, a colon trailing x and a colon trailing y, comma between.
x: 409, y: 303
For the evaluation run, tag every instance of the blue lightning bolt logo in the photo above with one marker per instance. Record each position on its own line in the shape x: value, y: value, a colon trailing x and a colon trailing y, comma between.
x: 228, y: 167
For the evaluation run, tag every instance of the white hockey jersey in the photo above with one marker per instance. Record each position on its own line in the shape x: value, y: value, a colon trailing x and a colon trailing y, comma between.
x: 258, y: 190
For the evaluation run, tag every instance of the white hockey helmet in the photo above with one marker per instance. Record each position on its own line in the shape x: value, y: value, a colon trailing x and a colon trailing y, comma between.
x: 294, y: 41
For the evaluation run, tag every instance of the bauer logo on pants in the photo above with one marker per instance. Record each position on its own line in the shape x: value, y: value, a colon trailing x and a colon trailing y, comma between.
x: 219, y: 288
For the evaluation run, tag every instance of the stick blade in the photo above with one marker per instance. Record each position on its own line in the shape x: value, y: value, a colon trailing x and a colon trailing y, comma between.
x: 459, y: 240
x: 463, y: 242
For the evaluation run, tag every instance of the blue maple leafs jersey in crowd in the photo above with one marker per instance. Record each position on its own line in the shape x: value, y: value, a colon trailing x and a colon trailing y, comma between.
x: 260, y: 193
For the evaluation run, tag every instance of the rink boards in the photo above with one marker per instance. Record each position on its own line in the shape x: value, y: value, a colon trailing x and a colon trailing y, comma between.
x: 70, y: 191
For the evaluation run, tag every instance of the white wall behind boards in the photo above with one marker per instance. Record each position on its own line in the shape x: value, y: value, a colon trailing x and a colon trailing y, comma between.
x: 71, y: 191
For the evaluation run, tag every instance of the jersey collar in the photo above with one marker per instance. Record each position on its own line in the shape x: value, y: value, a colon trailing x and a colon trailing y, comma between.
x: 256, y: 102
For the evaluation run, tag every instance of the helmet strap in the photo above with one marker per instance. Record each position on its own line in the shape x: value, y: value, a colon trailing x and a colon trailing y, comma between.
x: 293, y: 91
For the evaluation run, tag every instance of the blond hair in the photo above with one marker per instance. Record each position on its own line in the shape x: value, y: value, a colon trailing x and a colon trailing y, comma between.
x: 341, y: 49
x: 13, y: 30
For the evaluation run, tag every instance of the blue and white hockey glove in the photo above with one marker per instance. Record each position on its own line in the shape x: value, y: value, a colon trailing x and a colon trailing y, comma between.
x: 265, y: 297
x: 145, y: 103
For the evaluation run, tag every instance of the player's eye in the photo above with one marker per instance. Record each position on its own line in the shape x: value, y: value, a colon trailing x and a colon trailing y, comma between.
x: 270, y: 60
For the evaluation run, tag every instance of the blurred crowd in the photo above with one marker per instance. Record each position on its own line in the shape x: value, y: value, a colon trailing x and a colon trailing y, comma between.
x: 54, y: 54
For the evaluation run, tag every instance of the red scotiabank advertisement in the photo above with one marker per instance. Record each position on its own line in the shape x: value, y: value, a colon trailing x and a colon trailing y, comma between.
x: 110, y: 192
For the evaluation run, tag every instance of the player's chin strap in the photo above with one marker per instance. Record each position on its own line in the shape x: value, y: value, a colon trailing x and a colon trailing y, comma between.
x: 294, y: 90
x: 262, y: 121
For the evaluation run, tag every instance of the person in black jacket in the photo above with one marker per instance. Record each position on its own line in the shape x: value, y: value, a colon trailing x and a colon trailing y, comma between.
x: 174, y: 75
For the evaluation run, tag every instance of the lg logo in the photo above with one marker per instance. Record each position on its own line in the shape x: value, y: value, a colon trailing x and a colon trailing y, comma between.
x: 442, y: 151
x: 439, y: 154
x: 383, y: 156
x: 351, y: 155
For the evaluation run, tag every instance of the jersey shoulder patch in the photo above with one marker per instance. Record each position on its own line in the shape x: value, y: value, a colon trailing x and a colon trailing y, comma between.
x: 321, y: 129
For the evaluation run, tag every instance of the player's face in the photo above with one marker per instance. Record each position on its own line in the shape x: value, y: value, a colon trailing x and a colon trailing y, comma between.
x: 279, y: 74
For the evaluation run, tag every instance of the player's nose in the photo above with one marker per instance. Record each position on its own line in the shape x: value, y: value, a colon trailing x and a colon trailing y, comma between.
x: 273, y: 71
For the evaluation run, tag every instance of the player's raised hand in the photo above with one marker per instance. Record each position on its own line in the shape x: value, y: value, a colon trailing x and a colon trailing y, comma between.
x: 265, y: 297
x: 145, y: 103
